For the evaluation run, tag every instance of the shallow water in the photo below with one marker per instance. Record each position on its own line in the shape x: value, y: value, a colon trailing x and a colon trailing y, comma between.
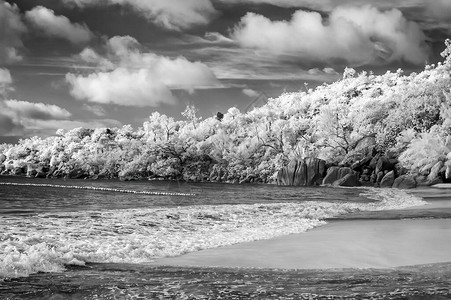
x: 76, y: 234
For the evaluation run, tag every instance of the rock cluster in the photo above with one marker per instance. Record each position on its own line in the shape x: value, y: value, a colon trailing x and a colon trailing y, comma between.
x: 302, y: 172
x: 375, y: 169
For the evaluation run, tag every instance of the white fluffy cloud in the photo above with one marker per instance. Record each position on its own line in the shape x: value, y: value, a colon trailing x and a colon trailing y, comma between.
x: 47, y: 23
x: 171, y: 14
x: 250, y: 93
x: 22, y: 117
x: 353, y: 35
x: 130, y: 77
x: 39, y: 111
x: 11, y: 30
x: 120, y: 86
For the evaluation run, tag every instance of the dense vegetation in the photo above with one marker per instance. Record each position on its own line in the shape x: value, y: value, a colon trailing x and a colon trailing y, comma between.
x: 406, y: 115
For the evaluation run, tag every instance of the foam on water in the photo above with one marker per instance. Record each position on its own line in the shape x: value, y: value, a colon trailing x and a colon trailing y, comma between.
x: 46, y: 242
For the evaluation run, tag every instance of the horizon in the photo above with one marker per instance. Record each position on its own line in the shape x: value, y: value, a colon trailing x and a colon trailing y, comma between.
x: 66, y: 65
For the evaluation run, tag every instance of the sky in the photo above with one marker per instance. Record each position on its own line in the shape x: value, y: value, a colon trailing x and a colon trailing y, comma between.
x: 107, y: 63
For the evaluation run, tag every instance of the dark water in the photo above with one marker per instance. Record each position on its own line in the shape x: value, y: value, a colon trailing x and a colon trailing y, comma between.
x: 66, y: 243
x: 32, y: 199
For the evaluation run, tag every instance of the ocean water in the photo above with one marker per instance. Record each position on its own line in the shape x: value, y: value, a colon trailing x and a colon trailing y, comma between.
x: 85, y: 229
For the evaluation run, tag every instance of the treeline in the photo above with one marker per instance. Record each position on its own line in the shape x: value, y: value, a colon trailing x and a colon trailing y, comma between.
x: 407, y: 116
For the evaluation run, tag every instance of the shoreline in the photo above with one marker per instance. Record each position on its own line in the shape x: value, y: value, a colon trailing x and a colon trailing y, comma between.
x: 339, y: 244
x: 367, y: 240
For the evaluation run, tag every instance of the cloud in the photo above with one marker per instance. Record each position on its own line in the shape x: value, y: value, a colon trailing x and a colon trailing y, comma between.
x: 120, y: 86
x: 95, y: 109
x: 217, y: 38
x: 5, y: 81
x: 47, y: 128
x: 47, y: 23
x: 11, y: 30
x: 330, y: 71
x: 21, y: 117
x: 129, y: 77
x: 440, y: 9
x: 170, y: 14
x: 351, y: 35
x: 312, y: 4
x: 39, y: 111
x: 250, y: 93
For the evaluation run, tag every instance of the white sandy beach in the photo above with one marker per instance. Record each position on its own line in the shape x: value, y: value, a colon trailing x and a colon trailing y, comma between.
x: 341, y: 244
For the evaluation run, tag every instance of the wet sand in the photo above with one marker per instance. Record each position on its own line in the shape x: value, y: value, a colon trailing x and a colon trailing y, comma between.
x: 368, y: 240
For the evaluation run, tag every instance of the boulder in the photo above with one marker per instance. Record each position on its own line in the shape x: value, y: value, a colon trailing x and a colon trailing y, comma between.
x: 421, y: 180
x: 384, y: 164
x: 76, y: 174
x: 348, y: 180
x: 315, y: 171
x: 388, y: 179
x: 405, y: 182
x: 359, y: 164
x: 379, y: 176
x: 40, y: 175
x: 425, y: 170
x: 302, y: 172
x: 18, y: 171
x: 436, y: 180
x: 2, y: 158
x: 435, y: 170
x: 448, y: 172
x: 374, y: 161
x: 336, y: 173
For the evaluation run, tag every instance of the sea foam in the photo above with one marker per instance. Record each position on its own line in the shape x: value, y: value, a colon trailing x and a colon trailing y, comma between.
x: 47, y: 242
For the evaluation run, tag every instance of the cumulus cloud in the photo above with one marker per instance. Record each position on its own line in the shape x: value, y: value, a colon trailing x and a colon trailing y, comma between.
x: 120, y: 86
x: 21, y: 117
x: 47, y: 23
x: 352, y: 35
x: 39, y: 111
x: 171, y: 14
x: 5, y: 81
x: 11, y: 30
x: 250, y: 93
x: 127, y: 76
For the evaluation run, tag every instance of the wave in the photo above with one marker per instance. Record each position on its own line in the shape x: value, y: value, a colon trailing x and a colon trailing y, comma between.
x: 49, y: 241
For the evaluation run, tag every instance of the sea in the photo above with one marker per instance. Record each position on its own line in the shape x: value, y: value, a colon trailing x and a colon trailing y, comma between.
x: 98, y: 239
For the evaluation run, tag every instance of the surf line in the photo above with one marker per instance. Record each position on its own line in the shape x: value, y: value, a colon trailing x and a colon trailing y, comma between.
x: 99, y: 189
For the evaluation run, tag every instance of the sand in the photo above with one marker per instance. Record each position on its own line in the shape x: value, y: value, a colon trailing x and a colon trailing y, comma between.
x: 355, y: 243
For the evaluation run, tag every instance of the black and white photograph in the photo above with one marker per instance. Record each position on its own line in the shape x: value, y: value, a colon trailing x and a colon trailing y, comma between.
x: 225, y: 149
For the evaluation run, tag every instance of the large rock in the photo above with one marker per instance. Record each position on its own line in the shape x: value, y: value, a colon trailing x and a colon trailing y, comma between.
x: 359, y: 164
x: 425, y: 170
x: 435, y: 171
x: 18, y: 171
x: 448, y: 172
x: 349, y: 180
x: 405, y: 182
x: 32, y: 170
x: 384, y: 164
x: 2, y: 158
x: 302, y: 172
x: 336, y: 173
x: 76, y: 174
x: 388, y: 179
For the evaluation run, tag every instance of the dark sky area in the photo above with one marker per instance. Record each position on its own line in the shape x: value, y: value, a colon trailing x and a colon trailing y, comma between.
x: 107, y: 63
